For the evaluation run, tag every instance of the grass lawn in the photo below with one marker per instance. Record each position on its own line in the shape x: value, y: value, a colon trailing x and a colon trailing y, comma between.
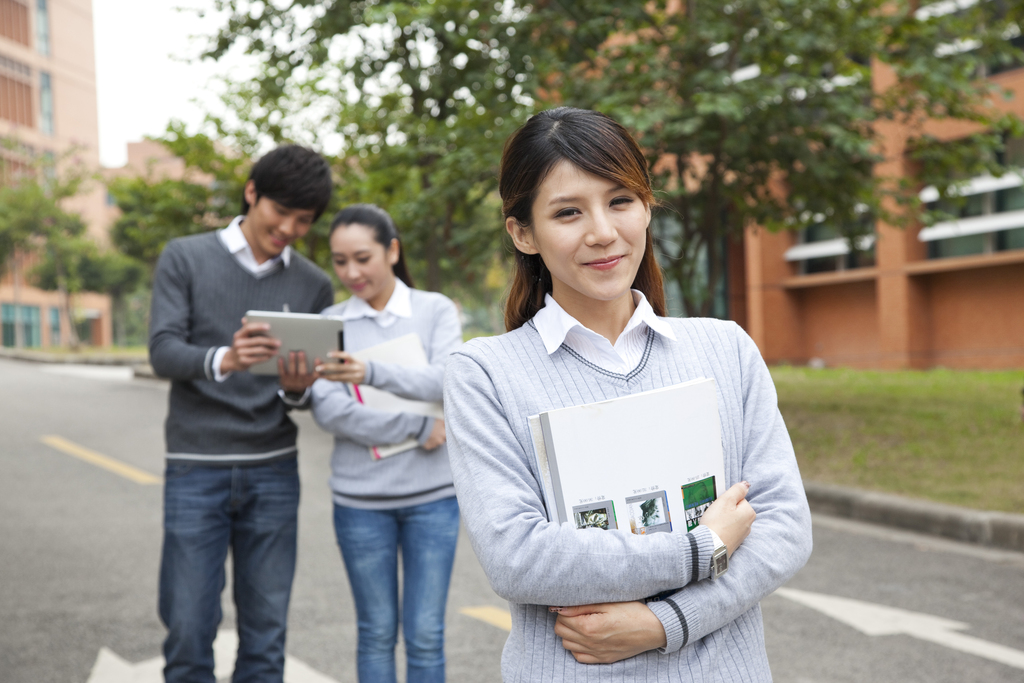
x: 950, y: 436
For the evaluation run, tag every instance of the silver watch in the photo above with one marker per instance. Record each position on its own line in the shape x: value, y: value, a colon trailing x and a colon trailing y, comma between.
x: 719, y: 558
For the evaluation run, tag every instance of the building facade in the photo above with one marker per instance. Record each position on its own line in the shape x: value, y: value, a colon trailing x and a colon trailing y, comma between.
x: 947, y: 295
x: 48, y: 102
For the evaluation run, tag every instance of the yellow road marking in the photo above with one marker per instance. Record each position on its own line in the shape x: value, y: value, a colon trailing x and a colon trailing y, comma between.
x: 495, y: 616
x: 93, y: 458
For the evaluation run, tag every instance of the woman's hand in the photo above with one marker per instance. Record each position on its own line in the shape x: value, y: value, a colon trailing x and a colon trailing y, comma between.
x: 608, y: 632
x: 730, y: 516
x: 347, y: 368
x: 437, y: 436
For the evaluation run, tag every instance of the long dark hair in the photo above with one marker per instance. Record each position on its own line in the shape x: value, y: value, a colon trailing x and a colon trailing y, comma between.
x: 593, y: 143
x: 384, y: 230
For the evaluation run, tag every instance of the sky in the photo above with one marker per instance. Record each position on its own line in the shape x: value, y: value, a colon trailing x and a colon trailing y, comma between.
x: 143, y: 76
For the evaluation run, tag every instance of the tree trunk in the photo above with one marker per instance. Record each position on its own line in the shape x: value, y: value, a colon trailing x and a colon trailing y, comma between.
x: 62, y: 288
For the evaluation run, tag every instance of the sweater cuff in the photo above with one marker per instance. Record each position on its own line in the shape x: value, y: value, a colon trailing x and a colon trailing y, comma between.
x: 705, y: 549
x: 208, y: 370
x: 678, y: 616
x: 368, y: 377
x: 301, y: 401
x: 424, y: 433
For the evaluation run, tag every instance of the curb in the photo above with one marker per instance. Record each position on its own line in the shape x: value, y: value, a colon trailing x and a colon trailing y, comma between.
x: 994, y: 529
x: 71, y: 358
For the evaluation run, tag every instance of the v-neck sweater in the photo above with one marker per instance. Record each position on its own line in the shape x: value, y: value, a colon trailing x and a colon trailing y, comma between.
x: 713, y: 628
x: 200, y: 294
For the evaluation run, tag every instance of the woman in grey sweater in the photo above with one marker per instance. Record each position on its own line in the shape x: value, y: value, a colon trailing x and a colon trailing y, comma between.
x: 586, y: 323
x: 404, y: 500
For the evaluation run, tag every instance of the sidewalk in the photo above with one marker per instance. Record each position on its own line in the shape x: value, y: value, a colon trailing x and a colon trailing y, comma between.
x: 994, y: 529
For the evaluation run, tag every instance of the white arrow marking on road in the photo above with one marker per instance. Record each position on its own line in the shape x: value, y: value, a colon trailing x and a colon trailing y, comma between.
x: 879, y: 620
x: 110, y: 668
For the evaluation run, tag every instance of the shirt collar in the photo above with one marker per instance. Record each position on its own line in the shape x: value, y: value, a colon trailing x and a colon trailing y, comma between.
x: 399, y: 305
x: 554, y: 324
x: 235, y: 241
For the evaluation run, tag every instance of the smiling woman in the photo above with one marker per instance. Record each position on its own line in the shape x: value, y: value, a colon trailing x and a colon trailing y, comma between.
x: 585, y: 319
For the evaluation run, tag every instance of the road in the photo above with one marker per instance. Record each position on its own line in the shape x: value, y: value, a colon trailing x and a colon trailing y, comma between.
x: 80, y: 545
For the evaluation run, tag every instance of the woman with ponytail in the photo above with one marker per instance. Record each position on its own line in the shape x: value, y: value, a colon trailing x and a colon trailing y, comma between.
x: 586, y: 321
x: 405, y: 500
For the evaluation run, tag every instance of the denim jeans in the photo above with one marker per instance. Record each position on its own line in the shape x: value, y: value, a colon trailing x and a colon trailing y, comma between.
x: 370, y: 541
x: 253, y: 511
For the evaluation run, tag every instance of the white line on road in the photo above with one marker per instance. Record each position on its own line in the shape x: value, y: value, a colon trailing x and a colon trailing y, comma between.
x: 110, y: 668
x: 880, y: 620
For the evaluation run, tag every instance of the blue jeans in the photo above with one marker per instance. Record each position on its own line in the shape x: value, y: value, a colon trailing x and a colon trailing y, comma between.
x: 253, y: 511
x: 369, y: 541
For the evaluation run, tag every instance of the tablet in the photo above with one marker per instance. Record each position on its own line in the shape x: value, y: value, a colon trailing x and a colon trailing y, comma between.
x: 314, y: 334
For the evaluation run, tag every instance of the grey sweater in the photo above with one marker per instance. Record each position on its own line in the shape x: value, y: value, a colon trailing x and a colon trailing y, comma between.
x: 714, y: 628
x: 415, y: 476
x: 200, y: 294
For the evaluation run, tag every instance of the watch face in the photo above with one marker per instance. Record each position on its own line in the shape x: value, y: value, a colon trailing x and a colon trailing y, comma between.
x: 719, y: 563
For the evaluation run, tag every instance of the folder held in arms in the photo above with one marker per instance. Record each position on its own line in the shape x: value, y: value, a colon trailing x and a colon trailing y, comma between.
x: 405, y: 351
x: 632, y: 462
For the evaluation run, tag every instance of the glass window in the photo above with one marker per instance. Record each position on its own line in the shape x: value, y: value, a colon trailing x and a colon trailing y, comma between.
x: 7, y: 314
x: 819, y: 232
x: 31, y: 330
x: 54, y: 326
x: 957, y: 246
x: 1006, y: 63
x: 42, y: 28
x: 31, y: 333
x: 45, y: 103
x: 1010, y: 200
x: 1011, y: 239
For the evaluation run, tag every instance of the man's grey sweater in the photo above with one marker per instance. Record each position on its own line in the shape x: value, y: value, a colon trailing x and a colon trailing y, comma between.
x: 713, y: 628
x: 416, y: 476
x: 200, y: 294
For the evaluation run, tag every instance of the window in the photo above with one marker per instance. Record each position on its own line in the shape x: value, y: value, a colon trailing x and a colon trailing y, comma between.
x: 16, y: 89
x: 9, y: 322
x: 31, y: 333
x: 990, y: 218
x: 14, y: 21
x: 54, y: 326
x: 45, y: 103
x: 822, y: 249
x: 42, y: 28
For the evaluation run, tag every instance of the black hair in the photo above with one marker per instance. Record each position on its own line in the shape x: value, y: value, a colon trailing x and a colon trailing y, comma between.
x: 293, y: 176
x: 384, y: 230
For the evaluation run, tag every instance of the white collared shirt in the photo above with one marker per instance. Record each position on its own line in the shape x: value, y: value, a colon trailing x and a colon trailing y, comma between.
x: 557, y: 327
x: 234, y: 240
x: 398, y: 306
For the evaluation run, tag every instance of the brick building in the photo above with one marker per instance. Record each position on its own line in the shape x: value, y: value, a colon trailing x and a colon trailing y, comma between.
x: 948, y: 295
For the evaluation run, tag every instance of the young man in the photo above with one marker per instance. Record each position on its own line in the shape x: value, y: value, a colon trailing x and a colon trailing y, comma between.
x: 232, y: 478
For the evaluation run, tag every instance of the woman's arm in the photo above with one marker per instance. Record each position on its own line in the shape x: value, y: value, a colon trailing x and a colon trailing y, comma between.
x: 422, y: 383
x: 527, y: 558
x: 780, y: 539
x: 337, y: 412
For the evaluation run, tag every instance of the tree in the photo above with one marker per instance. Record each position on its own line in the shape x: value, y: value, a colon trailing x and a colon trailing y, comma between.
x: 768, y: 113
x: 751, y: 112
x: 117, y: 275
x: 155, y: 210
x: 33, y: 219
x: 420, y: 96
